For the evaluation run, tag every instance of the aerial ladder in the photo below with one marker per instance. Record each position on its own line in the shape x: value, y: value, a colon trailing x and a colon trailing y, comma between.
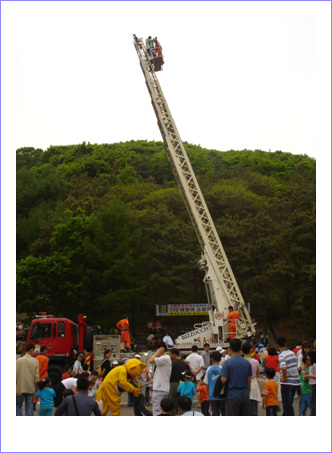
x: 221, y: 287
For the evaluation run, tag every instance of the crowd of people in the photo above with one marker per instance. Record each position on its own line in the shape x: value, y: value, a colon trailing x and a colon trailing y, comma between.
x: 224, y: 382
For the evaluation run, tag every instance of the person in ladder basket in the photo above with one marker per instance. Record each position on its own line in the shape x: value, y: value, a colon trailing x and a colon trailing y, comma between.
x: 157, y: 47
x: 232, y: 318
x: 150, y: 47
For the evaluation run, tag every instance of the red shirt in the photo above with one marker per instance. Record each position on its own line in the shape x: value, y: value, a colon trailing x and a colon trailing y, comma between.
x: 272, y: 361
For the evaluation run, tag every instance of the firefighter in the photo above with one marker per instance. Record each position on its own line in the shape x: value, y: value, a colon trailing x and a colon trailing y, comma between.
x: 232, y: 318
x: 123, y: 326
x: 157, y: 46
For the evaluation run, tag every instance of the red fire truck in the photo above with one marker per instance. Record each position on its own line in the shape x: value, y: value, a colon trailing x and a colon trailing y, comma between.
x: 64, y: 339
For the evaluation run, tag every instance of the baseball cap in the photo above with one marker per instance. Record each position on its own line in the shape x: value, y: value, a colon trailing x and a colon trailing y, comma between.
x: 220, y: 349
x: 81, y: 354
x: 187, y: 374
x: 137, y: 356
x: 115, y: 362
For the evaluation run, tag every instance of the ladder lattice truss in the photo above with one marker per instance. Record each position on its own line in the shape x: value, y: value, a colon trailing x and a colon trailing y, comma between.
x: 189, y: 187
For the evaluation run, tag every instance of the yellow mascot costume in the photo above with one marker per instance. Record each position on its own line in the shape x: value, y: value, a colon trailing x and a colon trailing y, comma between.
x: 108, y: 391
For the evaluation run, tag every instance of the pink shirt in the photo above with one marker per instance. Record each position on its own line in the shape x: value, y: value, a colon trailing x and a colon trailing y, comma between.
x: 254, y: 366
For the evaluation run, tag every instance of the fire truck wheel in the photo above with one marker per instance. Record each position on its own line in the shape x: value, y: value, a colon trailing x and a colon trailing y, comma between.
x: 88, y: 339
x: 55, y: 373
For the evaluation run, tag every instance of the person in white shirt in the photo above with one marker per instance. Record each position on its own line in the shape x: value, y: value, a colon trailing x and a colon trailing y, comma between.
x: 196, y: 363
x: 77, y: 368
x: 162, y: 375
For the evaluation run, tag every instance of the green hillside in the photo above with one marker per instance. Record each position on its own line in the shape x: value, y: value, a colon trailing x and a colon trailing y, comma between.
x: 102, y: 230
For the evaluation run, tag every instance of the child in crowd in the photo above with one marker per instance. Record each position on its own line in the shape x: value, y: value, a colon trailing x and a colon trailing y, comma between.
x: 46, y: 395
x: 95, y: 384
x: 305, y: 386
x: 205, y: 403
x: 270, y: 393
x: 144, y: 380
x: 138, y: 401
x: 166, y: 406
x: 312, y: 381
x: 186, y: 387
x: 66, y: 374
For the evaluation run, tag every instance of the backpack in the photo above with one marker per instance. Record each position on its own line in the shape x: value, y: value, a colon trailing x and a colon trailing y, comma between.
x: 220, y: 389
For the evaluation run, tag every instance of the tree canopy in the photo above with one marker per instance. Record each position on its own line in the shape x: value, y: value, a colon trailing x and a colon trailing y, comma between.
x: 102, y: 229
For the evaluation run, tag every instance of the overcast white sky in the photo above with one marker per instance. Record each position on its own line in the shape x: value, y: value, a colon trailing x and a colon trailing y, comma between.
x: 234, y: 77
x: 237, y: 75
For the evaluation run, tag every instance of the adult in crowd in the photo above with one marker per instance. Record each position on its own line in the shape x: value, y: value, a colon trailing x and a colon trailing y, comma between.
x: 79, y: 403
x: 78, y: 368
x: 157, y: 326
x: 27, y: 376
x: 185, y: 407
x: 300, y: 354
x: 161, y: 378
x: 289, y: 376
x: 236, y: 372
x: 223, y: 355
x: 255, y: 393
x: 106, y: 363
x: 66, y: 384
x: 206, y: 356
x: 168, y: 340
x: 151, y: 341
x: 196, y: 363
x: 178, y: 367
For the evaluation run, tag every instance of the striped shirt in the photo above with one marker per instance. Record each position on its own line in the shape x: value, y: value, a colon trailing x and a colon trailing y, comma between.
x: 288, y: 359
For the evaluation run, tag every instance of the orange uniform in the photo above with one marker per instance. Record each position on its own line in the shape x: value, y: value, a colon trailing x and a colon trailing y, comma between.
x: 232, y: 318
x: 123, y: 326
x: 157, y: 47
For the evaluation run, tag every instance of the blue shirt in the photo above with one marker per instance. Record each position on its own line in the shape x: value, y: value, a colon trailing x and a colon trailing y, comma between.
x: 237, y: 370
x: 46, y: 396
x: 212, y: 374
x: 187, y: 389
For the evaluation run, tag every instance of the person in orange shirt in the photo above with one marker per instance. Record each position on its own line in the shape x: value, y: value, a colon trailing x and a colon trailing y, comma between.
x: 43, y: 365
x: 123, y: 326
x: 270, y: 393
x: 232, y: 318
x: 205, y: 403
x: 157, y: 47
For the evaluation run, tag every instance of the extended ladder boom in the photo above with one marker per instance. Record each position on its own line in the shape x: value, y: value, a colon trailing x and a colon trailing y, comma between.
x: 213, y: 254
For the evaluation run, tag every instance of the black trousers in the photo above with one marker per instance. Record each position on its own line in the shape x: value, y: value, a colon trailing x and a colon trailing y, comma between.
x: 239, y: 406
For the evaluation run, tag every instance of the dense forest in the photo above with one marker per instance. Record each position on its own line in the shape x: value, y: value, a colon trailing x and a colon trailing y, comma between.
x: 103, y: 230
